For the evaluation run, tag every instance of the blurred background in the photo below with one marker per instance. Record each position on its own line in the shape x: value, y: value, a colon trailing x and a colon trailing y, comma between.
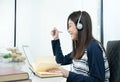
x: 29, y: 22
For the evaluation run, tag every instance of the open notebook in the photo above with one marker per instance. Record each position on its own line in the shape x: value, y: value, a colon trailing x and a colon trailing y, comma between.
x: 41, y: 64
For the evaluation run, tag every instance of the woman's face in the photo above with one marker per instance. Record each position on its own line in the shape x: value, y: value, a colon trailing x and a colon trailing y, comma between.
x: 72, y: 30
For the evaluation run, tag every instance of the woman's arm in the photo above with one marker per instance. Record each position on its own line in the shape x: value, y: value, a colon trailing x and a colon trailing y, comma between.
x: 60, y: 58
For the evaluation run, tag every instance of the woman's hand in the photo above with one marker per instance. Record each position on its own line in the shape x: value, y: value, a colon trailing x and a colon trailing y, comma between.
x: 60, y: 70
x: 55, y: 34
x: 64, y: 72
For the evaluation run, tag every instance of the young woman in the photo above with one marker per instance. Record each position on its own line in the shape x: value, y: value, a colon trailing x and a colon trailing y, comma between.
x: 89, y: 63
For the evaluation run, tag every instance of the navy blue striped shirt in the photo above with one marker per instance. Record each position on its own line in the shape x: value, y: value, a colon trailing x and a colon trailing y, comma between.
x: 92, y: 67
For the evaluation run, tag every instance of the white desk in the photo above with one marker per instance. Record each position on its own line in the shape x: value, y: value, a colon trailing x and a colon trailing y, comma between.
x: 54, y: 79
x: 33, y: 77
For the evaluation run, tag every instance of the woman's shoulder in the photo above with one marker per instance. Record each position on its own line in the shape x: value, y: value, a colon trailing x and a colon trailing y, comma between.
x: 94, y: 46
x: 92, y: 43
x: 94, y: 51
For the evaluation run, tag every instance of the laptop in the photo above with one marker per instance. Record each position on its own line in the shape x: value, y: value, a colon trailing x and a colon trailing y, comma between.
x: 30, y: 62
x: 27, y: 52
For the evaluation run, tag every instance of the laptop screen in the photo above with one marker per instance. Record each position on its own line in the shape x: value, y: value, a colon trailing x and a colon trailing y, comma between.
x: 28, y: 55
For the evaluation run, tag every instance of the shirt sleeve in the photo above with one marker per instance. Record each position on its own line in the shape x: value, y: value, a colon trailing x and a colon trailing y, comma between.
x: 96, y: 66
x: 60, y: 58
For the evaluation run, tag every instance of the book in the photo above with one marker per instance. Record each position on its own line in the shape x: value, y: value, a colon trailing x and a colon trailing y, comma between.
x: 12, y: 74
x: 43, y: 64
x: 25, y: 80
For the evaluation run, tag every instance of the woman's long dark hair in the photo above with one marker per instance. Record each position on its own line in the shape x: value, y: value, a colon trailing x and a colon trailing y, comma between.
x: 84, y: 35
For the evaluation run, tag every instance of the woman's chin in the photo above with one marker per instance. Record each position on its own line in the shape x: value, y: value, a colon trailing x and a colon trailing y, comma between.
x: 73, y: 38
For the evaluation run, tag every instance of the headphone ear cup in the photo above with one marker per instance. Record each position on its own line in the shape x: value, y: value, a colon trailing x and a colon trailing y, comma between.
x: 79, y: 26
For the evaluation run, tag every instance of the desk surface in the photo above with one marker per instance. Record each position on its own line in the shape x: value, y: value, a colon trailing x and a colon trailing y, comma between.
x: 34, y: 78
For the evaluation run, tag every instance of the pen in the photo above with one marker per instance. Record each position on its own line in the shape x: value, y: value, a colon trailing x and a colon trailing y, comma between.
x: 60, y: 31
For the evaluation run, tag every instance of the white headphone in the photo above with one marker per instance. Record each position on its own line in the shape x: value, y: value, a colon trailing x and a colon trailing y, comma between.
x: 79, y: 25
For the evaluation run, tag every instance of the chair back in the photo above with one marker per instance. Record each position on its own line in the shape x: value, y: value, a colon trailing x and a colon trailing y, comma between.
x: 113, y: 54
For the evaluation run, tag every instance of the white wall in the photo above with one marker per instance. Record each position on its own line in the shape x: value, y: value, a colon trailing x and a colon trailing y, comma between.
x: 93, y: 8
x: 111, y: 20
x: 6, y: 23
x: 36, y: 18
x: 24, y: 22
